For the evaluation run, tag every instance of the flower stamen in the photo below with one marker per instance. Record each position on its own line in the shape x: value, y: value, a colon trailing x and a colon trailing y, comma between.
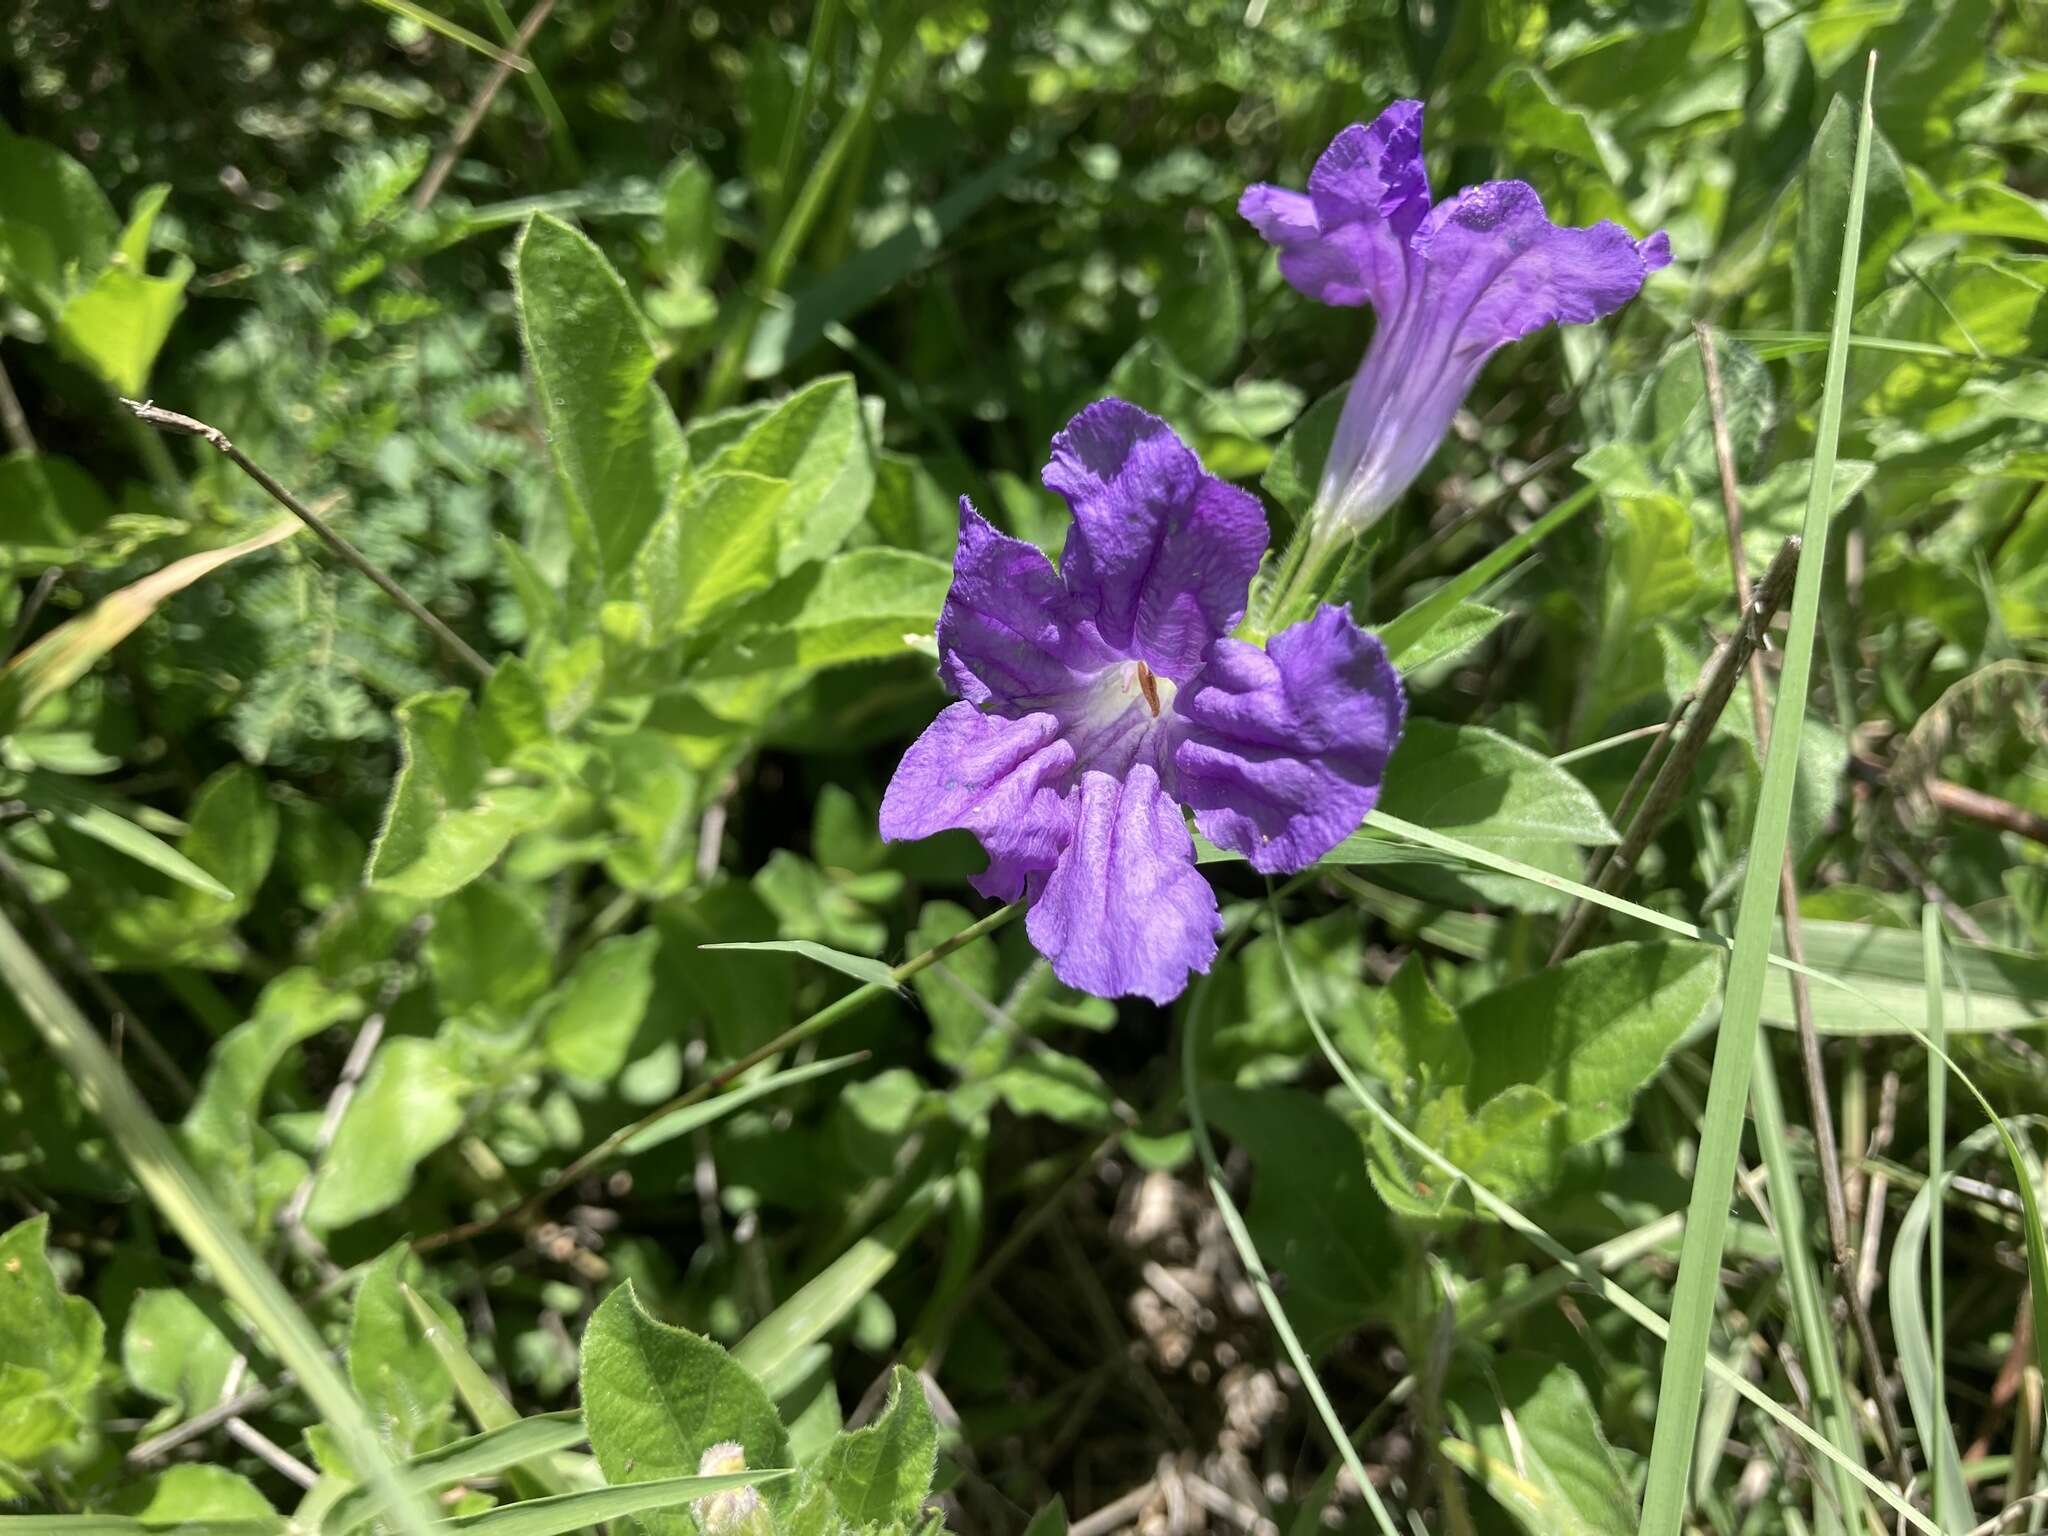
x: 1149, y: 686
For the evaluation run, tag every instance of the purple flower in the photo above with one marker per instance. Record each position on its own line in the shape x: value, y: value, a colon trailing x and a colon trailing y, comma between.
x: 1451, y: 283
x: 1098, y: 698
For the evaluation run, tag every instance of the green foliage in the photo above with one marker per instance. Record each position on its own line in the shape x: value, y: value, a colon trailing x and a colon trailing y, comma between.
x: 550, y: 1042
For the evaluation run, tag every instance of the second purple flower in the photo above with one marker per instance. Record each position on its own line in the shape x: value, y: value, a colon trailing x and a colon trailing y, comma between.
x: 1452, y: 283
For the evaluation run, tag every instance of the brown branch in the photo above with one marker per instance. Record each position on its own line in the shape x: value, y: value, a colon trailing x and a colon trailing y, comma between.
x: 1717, y: 682
x: 1819, y: 1108
x: 1961, y: 800
x: 444, y: 163
x: 156, y: 416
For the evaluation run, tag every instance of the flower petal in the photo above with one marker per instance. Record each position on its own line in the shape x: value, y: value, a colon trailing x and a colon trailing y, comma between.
x: 1366, y: 196
x: 1283, y: 749
x: 1125, y: 911
x: 1162, y: 553
x: 1497, y: 269
x: 1000, y: 635
x: 998, y: 779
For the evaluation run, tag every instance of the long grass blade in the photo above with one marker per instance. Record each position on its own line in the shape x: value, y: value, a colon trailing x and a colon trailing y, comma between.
x: 1678, y: 1398
x: 188, y: 1206
x: 455, y: 32
x: 574, y: 1511
x: 1950, y: 1499
x: 1918, y: 1341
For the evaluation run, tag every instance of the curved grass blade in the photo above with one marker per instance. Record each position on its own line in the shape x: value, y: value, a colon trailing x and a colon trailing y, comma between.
x: 1692, y: 1310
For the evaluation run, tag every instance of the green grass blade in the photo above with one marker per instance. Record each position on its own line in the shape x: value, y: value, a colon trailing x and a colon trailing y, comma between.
x: 123, y: 1525
x: 1944, y: 1465
x: 1810, y: 1314
x: 188, y: 1206
x: 1405, y: 631
x: 1587, y: 1274
x: 1678, y: 1397
x: 574, y: 1511
x: 479, y: 1456
x: 488, y: 1407
x: 1255, y: 1267
x: 453, y: 31
x: 1917, y: 1340
x: 837, y: 1289
x: 695, y: 1117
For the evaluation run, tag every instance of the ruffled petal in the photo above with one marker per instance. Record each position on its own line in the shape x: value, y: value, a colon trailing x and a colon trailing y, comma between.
x: 1346, y: 242
x: 1283, y: 749
x: 1126, y: 911
x: 1161, y: 554
x: 1496, y: 268
x: 1000, y: 632
x: 998, y: 779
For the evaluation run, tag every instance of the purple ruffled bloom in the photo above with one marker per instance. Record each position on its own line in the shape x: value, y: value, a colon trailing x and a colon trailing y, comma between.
x: 1451, y: 283
x: 1099, y: 697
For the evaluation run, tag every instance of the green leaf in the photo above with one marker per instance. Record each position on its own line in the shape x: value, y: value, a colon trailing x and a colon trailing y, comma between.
x: 656, y: 1398
x: 117, y: 326
x: 614, y: 435
x: 1312, y: 1210
x: 181, y: 1497
x: 714, y: 546
x: 1201, y: 311
x: 489, y: 951
x: 173, y: 1352
x: 223, y: 1132
x: 451, y: 813
x: 818, y: 443
x: 394, y: 1370
x: 55, y: 223
x: 1532, y: 1439
x: 864, y: 605
x: 1297, y: 465
x: 410, y: 1104
x: 1593, y: 1031
x: 1471, y: 783
x: 1060, y: 1087
x: 1823, y: 207
x: 594, y: 1014
x: 51, y: 1346
x: 105, y: 826
x: 884, y: 1471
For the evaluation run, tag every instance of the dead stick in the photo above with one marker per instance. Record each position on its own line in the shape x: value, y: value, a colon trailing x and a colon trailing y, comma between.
x: 171, y: 421
x: 444, y: 163
x: 1812, y: 1067
x: 1961, y: 800
x: 1716, y: 684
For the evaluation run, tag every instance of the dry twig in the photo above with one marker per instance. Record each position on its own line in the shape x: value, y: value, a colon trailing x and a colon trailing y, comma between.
x: 151, y: 414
